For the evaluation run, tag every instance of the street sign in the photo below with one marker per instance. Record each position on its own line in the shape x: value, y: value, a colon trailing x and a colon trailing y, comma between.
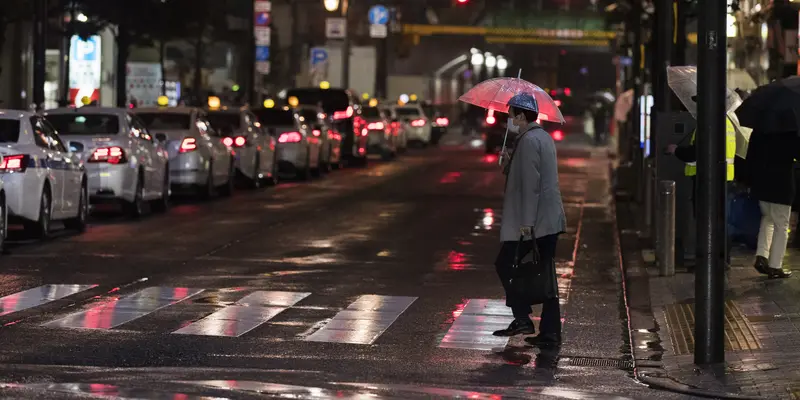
x: 262, y: 19
x: 335, y: 28
x: 262, y: 53
x: 378, y: 15
x: 318, y: 56
x: 378, y: 31
x: 262, y: 6
x: 263, y: 36
x: 262, y: 67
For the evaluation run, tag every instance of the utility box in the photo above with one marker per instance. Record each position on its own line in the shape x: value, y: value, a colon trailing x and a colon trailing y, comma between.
x: 676, y: 128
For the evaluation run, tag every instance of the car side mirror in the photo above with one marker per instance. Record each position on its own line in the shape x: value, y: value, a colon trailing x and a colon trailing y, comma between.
x: 161, y: 137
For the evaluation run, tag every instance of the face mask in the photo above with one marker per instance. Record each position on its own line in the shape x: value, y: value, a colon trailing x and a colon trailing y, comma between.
x: 511, y: 127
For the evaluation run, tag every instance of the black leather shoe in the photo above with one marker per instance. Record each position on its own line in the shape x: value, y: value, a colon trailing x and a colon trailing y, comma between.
x: 778, y: 273
x: 518, y: 327
x: 544, y: 339
x: 761, y: 265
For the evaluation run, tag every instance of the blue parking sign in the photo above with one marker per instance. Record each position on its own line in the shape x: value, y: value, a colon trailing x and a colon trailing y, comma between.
x: 85, y: 50
x: 378, y: 15
x: 262, y: 19
x: 262, y: 53
x: 318, y: 55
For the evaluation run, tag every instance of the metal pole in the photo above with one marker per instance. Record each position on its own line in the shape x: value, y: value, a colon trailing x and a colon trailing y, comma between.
x: 39, y: 51
x: 648, y: 196
x: 666, y: 228
x: 662, y: 94
x: 709, y: 278
x: 346, y: 4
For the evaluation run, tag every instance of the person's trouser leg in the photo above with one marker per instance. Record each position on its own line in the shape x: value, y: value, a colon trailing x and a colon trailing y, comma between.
x: 765, y: 232
x: 780, y: 215
x: 551, y: 310
x: 505, y: 260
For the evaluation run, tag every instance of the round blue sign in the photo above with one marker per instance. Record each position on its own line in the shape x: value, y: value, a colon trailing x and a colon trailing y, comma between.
x: 378, y: 15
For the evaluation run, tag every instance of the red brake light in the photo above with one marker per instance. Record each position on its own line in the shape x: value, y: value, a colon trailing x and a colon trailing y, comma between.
x: 491, y: 120
x: 188, y: 144
x: 442, y: 121
x: 375, y: 126
x: 316, y: 132
x: 290, y: 137
x: 568, y: 91
x: 343, y: 114
x: 240, y: 141
x: 227, y: 141
x: 418, y: 122
x: 558, y: 136
x: 15, y: 163
x: 111, y: 155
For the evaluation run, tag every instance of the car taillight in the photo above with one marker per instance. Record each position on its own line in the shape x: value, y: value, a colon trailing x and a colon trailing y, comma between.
x: 188, y: 144
x: 418, y: 122
x: 240, y: 141
x: 376, y: 126
x: 290, y: 137
x: 558, y: 136
x: 15, y: 163
x: 227, y: 141
x: 442, y: 121
x: 111, y: 155
x: 343, y: 114
x: 490, y: 120
x: 316, y: 132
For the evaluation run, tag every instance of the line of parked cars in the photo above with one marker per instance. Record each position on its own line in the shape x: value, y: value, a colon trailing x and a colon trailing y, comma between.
x: 56, y: 164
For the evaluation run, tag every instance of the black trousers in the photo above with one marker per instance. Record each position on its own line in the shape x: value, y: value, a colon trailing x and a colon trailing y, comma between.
x: 551, y: 311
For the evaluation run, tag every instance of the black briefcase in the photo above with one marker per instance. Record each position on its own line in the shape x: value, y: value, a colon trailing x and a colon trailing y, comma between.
x: 533, y: 280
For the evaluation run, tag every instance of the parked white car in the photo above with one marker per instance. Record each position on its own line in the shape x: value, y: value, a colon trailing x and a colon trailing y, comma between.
x: 416, y: 125
x: 254, y: 150
x: 198, y: 159
x: 42, y: 180
x: 330, y: 149
x: 123, y: 160
x: 298, y: 148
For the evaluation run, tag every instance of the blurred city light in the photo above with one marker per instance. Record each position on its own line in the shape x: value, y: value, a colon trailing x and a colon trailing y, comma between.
x: 163, y: 101
x: 365, y: 96
x: 324, y: 85
x: 331, y: 5
x: 404, y: 98
x: 413, y: 97
x: 213, y: 102
x: 502, y: 63
x: 82, y: 17
x: 293, y: 101
x: 474, y: 51
x: 477, y: 59
x: 269, y: 103
x: 235, y: 88
x: 373, y: 103
x: 491, y: 61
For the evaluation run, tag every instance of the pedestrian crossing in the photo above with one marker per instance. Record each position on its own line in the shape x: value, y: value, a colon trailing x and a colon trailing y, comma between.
x: 362, y: 322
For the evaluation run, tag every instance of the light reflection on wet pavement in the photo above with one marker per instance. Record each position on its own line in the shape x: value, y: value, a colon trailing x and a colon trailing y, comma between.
x: 376, y: 282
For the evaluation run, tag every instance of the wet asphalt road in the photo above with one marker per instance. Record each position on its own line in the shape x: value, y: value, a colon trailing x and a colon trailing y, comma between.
x: 369, y: 283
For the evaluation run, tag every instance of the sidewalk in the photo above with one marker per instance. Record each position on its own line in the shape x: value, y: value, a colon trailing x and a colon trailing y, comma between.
x: 762, y: 326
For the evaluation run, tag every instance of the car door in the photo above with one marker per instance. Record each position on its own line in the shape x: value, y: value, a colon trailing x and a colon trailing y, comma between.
x: 219, y: 152
x: 148, y: 157
x: 262, y: 141
x: 60, y: 161
x: 54, y: 176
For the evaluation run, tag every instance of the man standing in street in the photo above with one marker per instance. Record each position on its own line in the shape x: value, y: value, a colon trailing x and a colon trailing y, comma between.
x: 533, y: 211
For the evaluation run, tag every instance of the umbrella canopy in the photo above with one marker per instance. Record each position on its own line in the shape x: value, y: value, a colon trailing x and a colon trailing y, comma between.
x: 741, y: 79
x: 773, y: 108
x: 494, y: 94
x: 742, y: 135
x: 683, y: 82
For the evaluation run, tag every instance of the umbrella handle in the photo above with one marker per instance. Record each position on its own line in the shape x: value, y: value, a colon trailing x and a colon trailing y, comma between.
x: 503, y: 150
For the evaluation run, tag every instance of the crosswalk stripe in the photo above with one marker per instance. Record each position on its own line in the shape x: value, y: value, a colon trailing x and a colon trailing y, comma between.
x: 38, y: 296
x: 473, y: 325
x: 119, y: 311
x: 363, y: 321
x: 248, y: 313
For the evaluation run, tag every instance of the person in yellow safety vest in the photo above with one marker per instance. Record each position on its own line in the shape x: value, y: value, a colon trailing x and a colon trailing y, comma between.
x: 688, y: 154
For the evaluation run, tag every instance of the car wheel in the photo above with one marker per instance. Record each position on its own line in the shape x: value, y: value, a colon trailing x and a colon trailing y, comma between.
x: 78, y: 223
x: 255, y: 182
x: 207, y: 190
x: 3, y: 222
x: 41, y: 228
x: 135, y: 209
x: 227, y: 188
x: 162, y: 205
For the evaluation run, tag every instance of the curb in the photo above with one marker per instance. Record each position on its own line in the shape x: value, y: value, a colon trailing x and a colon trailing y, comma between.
x: 655, y: 376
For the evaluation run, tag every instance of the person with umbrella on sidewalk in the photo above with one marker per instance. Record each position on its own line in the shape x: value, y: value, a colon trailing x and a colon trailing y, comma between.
x: 771, y: 111
x: 533, y: 212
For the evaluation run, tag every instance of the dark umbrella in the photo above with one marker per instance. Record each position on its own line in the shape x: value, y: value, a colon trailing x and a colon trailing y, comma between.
x: 772, y: 108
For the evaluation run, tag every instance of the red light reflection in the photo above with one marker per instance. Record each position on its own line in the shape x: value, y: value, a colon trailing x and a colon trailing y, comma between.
x: 456, y: 261
x: 459, y: 309
x: 450, y: 177
x: 490, y: 158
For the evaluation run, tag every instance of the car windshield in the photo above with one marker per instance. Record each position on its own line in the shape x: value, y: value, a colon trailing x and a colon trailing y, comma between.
x: 275, y: 116
x: 309, y: 116
x: 166, y: 121
x: 225, y: 122
x: 407, y: 112
x: 371, y: 112
x: 9, y: 130
x: 84, y: 124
